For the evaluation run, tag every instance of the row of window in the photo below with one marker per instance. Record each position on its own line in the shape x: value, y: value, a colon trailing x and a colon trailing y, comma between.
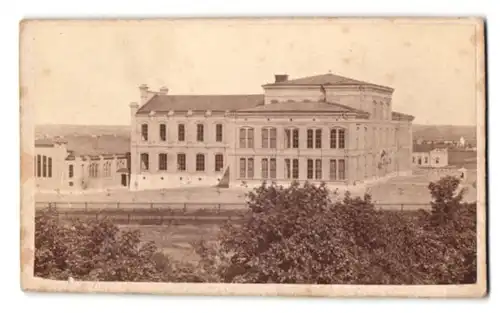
x: 181, y: 162
x: 181, y: 132
x: 43, y: 166
x: 93, y: 170
x: 314, y: 169
x: 426, y: 160
x: 292, y: 138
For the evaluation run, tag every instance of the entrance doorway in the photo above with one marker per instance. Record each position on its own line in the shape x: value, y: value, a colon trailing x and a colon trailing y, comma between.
x: 124, y: 180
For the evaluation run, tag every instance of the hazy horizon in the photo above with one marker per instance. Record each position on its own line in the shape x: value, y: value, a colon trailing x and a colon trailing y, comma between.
x: 87, y: 73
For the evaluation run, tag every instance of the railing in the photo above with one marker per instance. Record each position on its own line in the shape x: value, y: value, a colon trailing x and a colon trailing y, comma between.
x: 172, y: 213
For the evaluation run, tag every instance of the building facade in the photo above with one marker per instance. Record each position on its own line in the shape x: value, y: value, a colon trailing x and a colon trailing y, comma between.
x: 58, y: 169
x: 428, y: 156
x: 324, y: 128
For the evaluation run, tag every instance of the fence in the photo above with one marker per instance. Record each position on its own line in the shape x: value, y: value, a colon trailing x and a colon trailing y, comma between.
x: 172, y: 213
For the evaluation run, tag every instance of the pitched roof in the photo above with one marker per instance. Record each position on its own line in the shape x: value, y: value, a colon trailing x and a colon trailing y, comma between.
x: 427, y: 147
x: 48, y: 142
x: 165, y: 103
x: 303, y: 106
x: 324, y: 79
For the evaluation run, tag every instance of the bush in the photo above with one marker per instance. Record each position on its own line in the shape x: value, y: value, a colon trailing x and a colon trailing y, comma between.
x: 297, y: 235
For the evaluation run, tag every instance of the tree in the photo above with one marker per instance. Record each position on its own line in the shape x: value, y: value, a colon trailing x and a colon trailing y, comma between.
x: 446, y: 200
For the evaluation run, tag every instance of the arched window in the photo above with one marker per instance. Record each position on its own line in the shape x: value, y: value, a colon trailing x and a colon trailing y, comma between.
x: 107, y: 169
x: 337, y: 138
x: 291, y: 138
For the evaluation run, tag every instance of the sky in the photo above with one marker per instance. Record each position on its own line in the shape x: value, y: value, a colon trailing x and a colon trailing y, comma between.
x: 87, y: 72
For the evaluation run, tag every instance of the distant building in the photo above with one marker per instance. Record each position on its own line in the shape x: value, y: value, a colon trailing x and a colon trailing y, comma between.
x: 57, y: 168
x: 320, y: 128
x: 429, y: 156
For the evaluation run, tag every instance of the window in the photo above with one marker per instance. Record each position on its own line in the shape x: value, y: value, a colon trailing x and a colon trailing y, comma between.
x: 163, y: 132
x: 107, y: 169
x: 269, y: 138
x: 310, y: 168
x: 200, y: 162
x: 310, y: 138
x: 292, y: 168
x: 342, y: 169
x: 181, y: 132
x: 144, y: 132
x: 38, y: 166
x: 291, y: 138
x: 272, y: 172
x: 246, y: 137
x: 250, y: 168
x: 218, y: 132
x: 219, y: 162
x: 314, y: 169
x: 44, y: 166
x: 333, y: 169
x: 318, y: 139
x: 265, y: 168
x: 318, y: 169
x: 49, y: 167
x: 419, y: 160
x: 337, y: 138
x: 144, y: 162
x: 437, y: 160
x: 341, y: 139
x: 200, y: 133
x: 162, y: 161
x: 181, y: 162
x: 426, y: 160
x: 94, y: 170
x: 295, y: 168
x: 413, y: 161
x: 71, y: 171
x: 243, y: 168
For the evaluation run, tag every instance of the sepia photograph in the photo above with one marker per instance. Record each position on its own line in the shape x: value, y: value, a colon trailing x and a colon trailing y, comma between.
x: 255, y: 156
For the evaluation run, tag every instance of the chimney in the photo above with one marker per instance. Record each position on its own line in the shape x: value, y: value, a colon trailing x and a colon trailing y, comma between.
x: 144, y: 90
x: 163, y: 91
x: 279, y: 78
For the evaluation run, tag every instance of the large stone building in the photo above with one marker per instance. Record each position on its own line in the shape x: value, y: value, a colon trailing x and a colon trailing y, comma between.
x: 324, y: 128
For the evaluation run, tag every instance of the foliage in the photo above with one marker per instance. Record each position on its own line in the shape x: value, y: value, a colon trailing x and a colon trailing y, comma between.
x: 292, y: 235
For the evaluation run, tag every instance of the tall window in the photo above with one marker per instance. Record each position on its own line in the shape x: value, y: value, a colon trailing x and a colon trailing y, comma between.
x: 181, y: 162
x: 246, y: 168
x: 437, y: 160
x: 219, y: 162
x: 163, y: 132
x: 265, y: 168
x: 71, y: 171
x: 181, y: 132
x: 200, y: 162
x: 318, y: 168
x: 144, y: 132
x: 246, y: 137
x: 107, y: 169
x: 318, y: 139
x: 218, y: 132
x: 162, y: 161
x: 295, y: 168
x: 337, y: 138
x: 49, y: 167
x: 342, y: 169
x: 310, y: 138
x: 310, y: 168
x: 44, y: 166
x: 200, y: 135
x: 39, y: 165
x: 333, y: 169
x: 291, y: 138
x: 144, y: 162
